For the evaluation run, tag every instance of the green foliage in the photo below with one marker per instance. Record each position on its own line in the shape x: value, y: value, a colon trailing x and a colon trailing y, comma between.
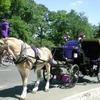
x: 5, y: 5
x: 97, y: 31
x: 20, y: 29
x: 43, y: 42
x: 71, y: 23
x: 5, y: 8
x: 35, y: 24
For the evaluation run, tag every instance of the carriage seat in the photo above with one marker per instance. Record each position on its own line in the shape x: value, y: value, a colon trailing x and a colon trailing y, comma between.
x: 63, y: 53
x: 69, y: 47
x: 72, y: 43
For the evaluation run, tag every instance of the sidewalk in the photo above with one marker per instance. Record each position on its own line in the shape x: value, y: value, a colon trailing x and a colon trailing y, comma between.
x: 92, y: 94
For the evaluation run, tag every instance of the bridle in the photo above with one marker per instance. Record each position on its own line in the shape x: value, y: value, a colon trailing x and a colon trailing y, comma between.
x: 5, y: 56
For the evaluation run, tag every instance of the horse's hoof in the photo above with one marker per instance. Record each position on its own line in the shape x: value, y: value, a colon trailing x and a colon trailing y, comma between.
x: 46, y: 90
x: 34, y: 92
x: 20, y: 98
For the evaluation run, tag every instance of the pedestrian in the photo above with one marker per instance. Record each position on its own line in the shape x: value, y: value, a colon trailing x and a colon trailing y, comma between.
x: 66, y: 38
x: 81, y: 36
x: 4, y: 28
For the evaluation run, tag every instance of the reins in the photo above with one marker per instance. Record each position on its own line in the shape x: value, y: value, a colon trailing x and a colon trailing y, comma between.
x: 23, y: 58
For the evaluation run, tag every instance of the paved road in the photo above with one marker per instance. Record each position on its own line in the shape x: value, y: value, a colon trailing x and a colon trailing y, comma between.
x: 10, y: 87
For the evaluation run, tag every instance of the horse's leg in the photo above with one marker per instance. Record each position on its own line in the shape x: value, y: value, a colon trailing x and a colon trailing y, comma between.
x: 38, y: 73
x: 0, y: 59
x: 48, y: 76
x: 24, y: 72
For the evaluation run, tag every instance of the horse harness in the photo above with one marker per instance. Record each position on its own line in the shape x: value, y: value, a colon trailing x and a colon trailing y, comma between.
x: 23, y: 57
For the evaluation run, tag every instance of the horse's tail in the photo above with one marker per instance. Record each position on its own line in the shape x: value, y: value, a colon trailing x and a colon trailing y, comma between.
x: 53, y: 62
x: 50, y: 56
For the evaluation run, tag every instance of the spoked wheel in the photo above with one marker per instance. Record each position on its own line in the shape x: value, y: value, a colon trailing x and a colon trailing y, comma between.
x: 98, y: 74
x: 74, y: 75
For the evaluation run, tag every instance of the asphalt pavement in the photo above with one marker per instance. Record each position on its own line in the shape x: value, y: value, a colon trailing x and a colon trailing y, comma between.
x: 10, y: 88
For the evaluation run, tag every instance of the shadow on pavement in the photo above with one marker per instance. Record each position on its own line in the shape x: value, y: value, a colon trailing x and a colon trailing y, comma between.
x: 84, y: 81
x: 16, y: 90
x: 11, y: 92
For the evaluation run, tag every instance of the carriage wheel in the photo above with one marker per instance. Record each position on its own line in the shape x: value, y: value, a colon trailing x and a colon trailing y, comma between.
x: 74, y: 75
x: 45, y: 75
x: 98, y: 74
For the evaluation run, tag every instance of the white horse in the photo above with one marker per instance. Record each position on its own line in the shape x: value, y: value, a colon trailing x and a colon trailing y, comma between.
x: 25, y: 58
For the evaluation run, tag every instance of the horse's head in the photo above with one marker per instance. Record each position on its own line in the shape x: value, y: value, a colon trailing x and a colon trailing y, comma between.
x: 1, y: 42
x: 4, y: 54
x: 1, y: 46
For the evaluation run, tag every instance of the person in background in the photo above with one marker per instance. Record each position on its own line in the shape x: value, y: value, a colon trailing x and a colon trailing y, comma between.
x: 66, y: 38
x: 81, y: 36
x: 4, y: 26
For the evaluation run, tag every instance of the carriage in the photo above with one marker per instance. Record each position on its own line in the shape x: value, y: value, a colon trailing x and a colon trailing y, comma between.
x: 90, y: 58
x: 74, y: 58
x: 65, y: 71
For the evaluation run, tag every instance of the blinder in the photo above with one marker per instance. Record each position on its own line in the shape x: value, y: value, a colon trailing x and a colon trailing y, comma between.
x: 5, y: 55
x: 5, y: 46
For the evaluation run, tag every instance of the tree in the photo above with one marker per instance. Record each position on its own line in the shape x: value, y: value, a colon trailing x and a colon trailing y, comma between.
x: 5, y: 8
x: 97, y: 31
x: 20, y: 29
x: 34, y: 23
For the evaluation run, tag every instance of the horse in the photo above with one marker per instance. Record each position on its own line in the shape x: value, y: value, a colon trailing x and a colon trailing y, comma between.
x: 26, y: 58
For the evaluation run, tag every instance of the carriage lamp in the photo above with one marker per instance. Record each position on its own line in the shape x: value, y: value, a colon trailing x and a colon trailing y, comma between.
x: 95, y: 67
x: 75, y: 55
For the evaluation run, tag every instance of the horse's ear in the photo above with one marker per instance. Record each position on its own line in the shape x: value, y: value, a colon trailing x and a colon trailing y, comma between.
x: 99, y: 41
x: 4, y: 40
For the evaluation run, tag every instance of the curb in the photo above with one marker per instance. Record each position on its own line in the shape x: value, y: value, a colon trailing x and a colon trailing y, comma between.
x: 91, y: 94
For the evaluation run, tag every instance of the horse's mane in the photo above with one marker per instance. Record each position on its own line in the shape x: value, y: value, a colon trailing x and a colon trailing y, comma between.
x: 10, y: 38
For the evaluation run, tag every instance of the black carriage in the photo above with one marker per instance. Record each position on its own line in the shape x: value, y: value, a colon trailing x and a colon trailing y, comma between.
x: 66, y: 71
x: 90, y: 58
